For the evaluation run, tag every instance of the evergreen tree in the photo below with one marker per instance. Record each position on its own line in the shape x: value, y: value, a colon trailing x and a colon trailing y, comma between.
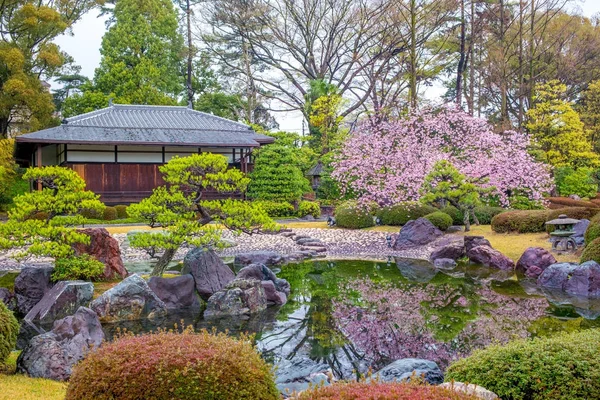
x: 589, y: 111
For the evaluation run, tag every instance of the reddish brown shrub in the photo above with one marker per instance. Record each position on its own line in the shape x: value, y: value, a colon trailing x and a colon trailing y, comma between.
x: 561, y: 202
x: 382, y: 391
x: 169, y: 365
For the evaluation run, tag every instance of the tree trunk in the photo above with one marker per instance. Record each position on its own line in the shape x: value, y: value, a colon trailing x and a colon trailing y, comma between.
x: 475, y: 219
x: 163, y: 262
x: 413, y: 56
x: 461, y: 62
x: 466, y: 220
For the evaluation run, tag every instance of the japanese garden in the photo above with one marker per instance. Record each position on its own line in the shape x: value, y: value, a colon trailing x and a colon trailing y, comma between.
x: 274, y: 199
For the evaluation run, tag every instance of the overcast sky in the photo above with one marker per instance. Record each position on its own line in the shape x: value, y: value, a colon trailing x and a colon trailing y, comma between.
x: 84, y: 46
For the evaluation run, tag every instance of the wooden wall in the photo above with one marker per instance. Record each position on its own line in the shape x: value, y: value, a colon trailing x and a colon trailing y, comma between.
x: 125, y: 183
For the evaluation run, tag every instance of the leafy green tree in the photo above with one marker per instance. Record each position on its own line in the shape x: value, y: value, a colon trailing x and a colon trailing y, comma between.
x: 185, y: 216
x: 578, y: 181
x: 42, y: 223
x: 446, y: 183
x: 589, y: 110
x: 557, y: 130
x: 87, y: 100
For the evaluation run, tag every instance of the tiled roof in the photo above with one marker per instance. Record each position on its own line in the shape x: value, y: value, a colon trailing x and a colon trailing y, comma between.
x: 136, y: 124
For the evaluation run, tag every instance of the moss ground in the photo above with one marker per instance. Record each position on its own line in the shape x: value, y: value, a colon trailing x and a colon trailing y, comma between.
x: 17, y: 386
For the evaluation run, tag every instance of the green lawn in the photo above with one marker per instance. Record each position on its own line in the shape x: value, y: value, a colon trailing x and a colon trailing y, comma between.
x: 20, y: 387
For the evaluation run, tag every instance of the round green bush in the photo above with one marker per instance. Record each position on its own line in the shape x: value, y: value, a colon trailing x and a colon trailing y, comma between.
x: 9, y: 329
x: 91, y: 214
x: 441, y: 220
x: 276, y: 209
x: 121, y: 211
x: 454, y: 213
x: 521, y: 221
x: 593, y: 230
x: 351, y: 216
x: 591, y: 251
x: 382, y: 391
x: 168, y: 365
x: 83, y: 268
x: 110, y: 214
x: 565, y: 366
x: 309, y: 208
x: 399, y: 214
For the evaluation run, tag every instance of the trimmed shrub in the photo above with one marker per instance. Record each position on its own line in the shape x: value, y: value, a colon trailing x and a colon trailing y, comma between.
x: 83, y: 268
x: 9, y: 329
x: 591, y: 252
x: 309, y: 208
x: 593, y: 230
x: 454, y: 213
x: 441, y: 220
x: 486, y: 213
x: 575, y: 212
x: 565, y: 366
x: 382, y: 391
x: 121, y: 211
x: 562, y: 202
x: 91, y: 214
x: 349, y: 215
x: 276, y: 209
x: 168, y: 365
x: 110, y: 214
x: 399, y: 214
x: 521, y: 221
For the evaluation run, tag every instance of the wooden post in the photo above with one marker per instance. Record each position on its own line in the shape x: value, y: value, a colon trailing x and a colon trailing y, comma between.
x: 38, y: 163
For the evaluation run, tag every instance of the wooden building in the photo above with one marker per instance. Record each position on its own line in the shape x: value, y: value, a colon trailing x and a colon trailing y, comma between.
x: 117, y: 150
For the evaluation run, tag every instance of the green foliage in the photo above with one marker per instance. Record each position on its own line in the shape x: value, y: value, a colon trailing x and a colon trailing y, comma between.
x: 456, y: 215
x: 92, y: 214
x: 591, y: 252
x: 309, y: 208
x: 578, y: 181
x: 382, y: 391
x: 277, y: 175
x: 557, y: 130
x: 521, y: 221
x: 519, y: 202
x: 9, y: 329
x: 565, y: 366
x: 77, y: 268
x: 221, y: 104
x: 11, y: 184
x: 121, y: 212
x: 88, y: 100
x: 61, y: 201
x: 350, y: 215
x: 441, y: 220
x: 276, y: 209
x: 485, y: 214
x: 178, y: 207
x: 593, y: 230
x: 167, y: 365
x: 589, y: 111
x: 399, y: 214
x: 110, y: 214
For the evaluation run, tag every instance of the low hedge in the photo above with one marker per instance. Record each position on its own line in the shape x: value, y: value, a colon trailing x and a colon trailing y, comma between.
x: 485, y: 213
x: 441, y: 220
x: 562, y: 202
x: 121, y: 211
x: 382, y: 391
x: 309, y: 208
x: 276, y: 209
x: 591, y: 252
x: 9, y: 329
x: 110, y: 214
x: 351, y: 216
x: 527, y: 221
x: 565, y: 366
x: 167, y: 365
x: 399, y: 214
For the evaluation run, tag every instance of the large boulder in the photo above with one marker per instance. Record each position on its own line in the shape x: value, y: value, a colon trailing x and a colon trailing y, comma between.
x: 403, y: 370
x: 534, y: 261
x: 576, y: 280
x: 177, y: 293
x: 263, y: 273
x: 52, y: 355
x: 240, y: 297
x: 27, y: 330
x: 453, y: 248
x: 30, y: 286
x: 272, y: 294
x: 416, y: 233
x: 104, y: 248
x: 579, y: 229
x: 268, y: 258
x: 62, y: 300
x: 210, y: 273
x: 474, y: 241
x: 132, y: 299
x: 490, y: 257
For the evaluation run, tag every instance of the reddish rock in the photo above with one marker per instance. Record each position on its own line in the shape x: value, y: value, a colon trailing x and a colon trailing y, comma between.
x: 533, y: 271
x: 489, y: 257
x: 535, y: 257
x: 31, y: 285
x: 104, y: 248
x: 452, y: 248
x: 416, y: 233
x: 210, y: 273
x: 177, y: 293
x: 474, y: 241
x: 272, y: 295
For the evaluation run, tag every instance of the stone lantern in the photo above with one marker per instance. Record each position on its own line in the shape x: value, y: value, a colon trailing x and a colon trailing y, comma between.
x: 564, y: 229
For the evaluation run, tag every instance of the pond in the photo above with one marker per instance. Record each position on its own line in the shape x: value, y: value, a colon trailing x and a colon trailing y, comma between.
x: 351, y: 316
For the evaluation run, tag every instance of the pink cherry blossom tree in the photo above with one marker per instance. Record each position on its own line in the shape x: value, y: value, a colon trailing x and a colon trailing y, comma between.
x: 386, y: 162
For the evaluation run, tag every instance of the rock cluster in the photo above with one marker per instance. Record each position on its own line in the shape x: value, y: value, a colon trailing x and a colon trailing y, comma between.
x: 209, y: 272
x: 534, y: 261
x: 573, y: 279
x: 476, y: 248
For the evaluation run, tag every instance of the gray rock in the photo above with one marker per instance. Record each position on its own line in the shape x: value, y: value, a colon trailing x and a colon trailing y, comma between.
x: 444, y: 263
x: 27, y: 331
x: 403, y: 370
x: 132, y: 299
x: 471, y: 389
x: 177, y: 293
x: 416, y: 233
x: 454, y: 228
x: 489, y: 257
x: 555, y: 276
x: 474, y: 241
x: 62, y: 300
x: 268, y: 258
x: 256, y: 271
x: 272, y: 294
x: 535, y: 257
x: 298, y: 374
x: 576, y: 280
x: 580, y: 229
x: 450, y: 249
x: 210, y: 273
x: 30, y: 286
x: 416, y: 270
x: 53, y: 354
x: 239, y: 297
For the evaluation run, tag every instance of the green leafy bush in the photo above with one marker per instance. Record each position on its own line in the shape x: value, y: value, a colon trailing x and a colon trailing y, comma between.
x: 351, y: 216
x: 578, y: 181
x: 110, y: 214
x: 593, y: 230
x: 519, y: 202
x: 122, y: 212
x: 441, y: 220
x: 92, y: 214
x: 454, y: 213
x: 276, y: 209
x: 9, y: 329
x: 591, y: 252
x: 521, y: 221
x: 168, y: 365
x: 382, y: 391
x: 83, y: 268
x: 565, y: 366
x: 485, y: 213
x: 309, y: 208
x: 399, y: 214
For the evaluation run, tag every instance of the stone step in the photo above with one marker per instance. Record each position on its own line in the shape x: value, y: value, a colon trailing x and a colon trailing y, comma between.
x: 317, y: 249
